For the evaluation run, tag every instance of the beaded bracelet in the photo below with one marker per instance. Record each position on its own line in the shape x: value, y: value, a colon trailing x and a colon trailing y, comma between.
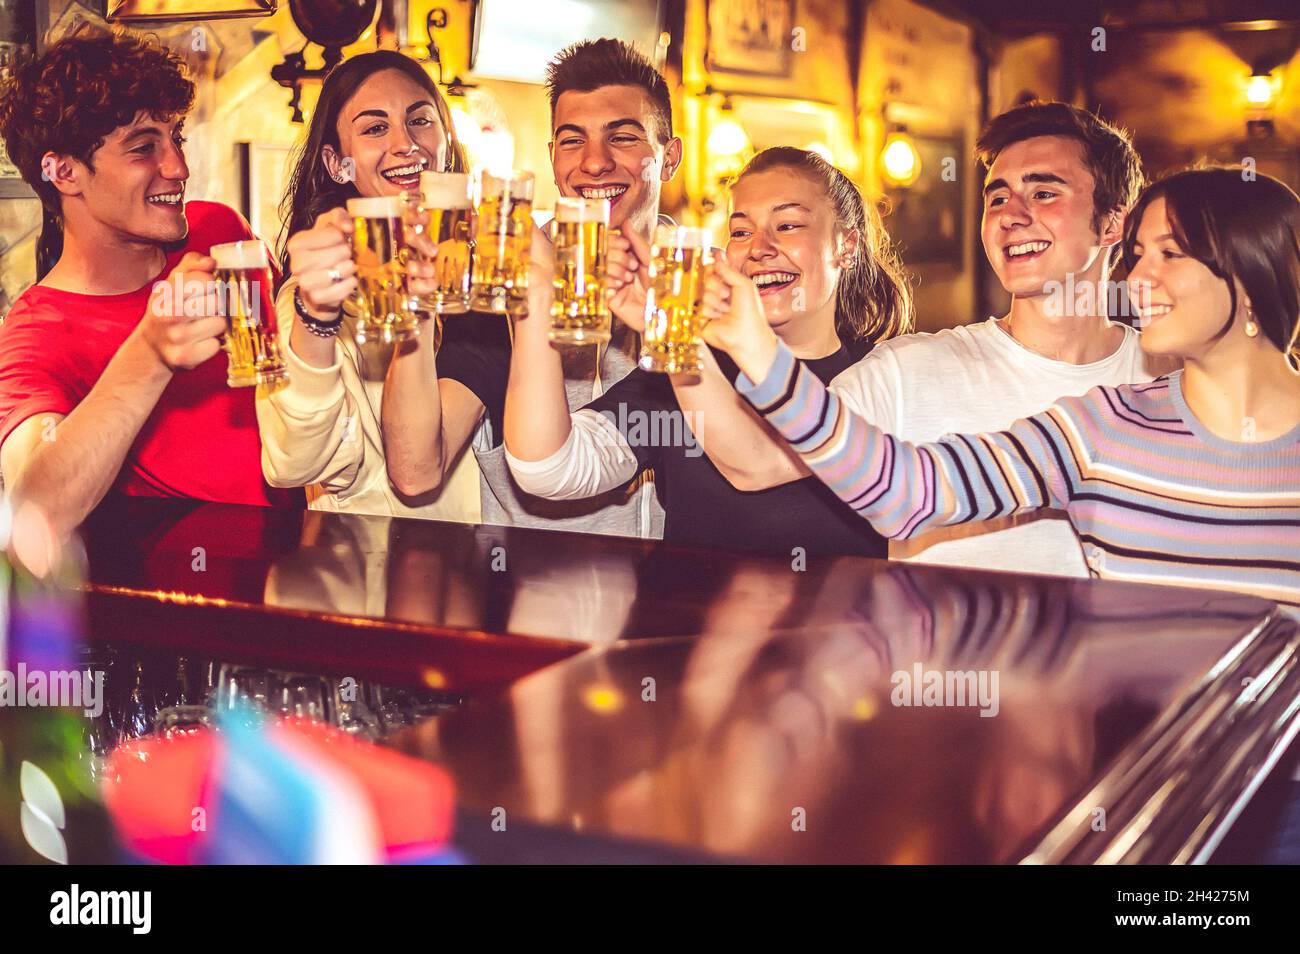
x: 321, y: 329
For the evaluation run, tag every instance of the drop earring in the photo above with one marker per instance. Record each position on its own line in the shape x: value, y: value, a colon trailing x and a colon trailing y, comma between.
x: 1252, y: 327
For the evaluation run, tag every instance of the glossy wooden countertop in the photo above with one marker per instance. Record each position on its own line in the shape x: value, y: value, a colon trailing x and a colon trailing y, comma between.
x: 722, y: 704
x: 407, y: 602
x: 487, y: 604
x: 789, y: 744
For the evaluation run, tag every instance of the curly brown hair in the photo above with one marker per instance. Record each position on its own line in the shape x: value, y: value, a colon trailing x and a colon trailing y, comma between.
x: 70, y: 99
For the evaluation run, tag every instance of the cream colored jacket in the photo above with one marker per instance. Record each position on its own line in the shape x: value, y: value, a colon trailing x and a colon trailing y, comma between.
x: 322, y: 432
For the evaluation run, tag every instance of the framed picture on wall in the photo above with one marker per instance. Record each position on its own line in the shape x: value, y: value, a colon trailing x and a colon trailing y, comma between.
x: 926, y: 219
x: 12, y: 184
x: 264, y: 179
x: 130, y: 11
x: 751, y: 36
x: 7, y: 169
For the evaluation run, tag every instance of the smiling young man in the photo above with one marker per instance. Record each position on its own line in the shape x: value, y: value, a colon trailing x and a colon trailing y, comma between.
x: 107, y: 383
x: 1058, y: 187
x: 612, y: 137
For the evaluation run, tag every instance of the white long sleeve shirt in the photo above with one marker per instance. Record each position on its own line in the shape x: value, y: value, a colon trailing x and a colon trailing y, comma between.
x: 594, y: 459
x: 322, y: 432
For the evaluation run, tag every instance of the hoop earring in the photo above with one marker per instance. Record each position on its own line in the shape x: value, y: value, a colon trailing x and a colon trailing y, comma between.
x: 1252, y: 326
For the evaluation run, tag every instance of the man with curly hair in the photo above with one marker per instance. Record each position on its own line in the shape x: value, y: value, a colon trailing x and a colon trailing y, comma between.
x: 108, y: 380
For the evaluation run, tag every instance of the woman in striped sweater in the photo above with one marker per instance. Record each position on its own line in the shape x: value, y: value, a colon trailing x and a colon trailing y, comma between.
x: 1191, y: 479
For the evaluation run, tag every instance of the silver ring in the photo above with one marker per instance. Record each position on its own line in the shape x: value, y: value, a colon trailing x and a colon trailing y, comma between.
x: 335, y: 276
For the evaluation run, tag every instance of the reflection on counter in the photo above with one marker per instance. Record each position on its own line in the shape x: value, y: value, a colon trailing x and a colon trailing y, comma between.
x: 729, y: 706
x: 807, y: 742
x: 447, y: 577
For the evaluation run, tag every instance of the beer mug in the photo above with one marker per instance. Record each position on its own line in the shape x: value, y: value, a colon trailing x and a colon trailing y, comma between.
x: 503, y: 243
x: 244, y: 288
x: 680, y: 258
x: 444, y: 224
x: 384, y: 309
x: 580, y: 313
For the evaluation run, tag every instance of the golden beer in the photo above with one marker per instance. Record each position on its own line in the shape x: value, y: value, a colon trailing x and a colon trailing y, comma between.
x: 580, y: 314
x: 383, y: 308
x: 680, y: 258
x: 244, y: 284
x: 446, y: 228
x: 503, y: 244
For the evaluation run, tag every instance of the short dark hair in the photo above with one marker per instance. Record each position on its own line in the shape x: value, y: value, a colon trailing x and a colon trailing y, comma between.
x: 1107, y: 149
x: 70, y: 99
x: 1242, y: 229
x: 591, y: 64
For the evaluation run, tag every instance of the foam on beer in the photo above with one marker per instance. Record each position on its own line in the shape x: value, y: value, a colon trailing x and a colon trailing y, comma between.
x: 445, y: 190
x: 238, y: 255
x: 683, y: 236
x: 516, y: 185
x: 581, y: 210
x: 376, y: 207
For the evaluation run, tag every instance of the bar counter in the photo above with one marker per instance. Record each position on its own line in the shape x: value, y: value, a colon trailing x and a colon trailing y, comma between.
x: 587, y: 692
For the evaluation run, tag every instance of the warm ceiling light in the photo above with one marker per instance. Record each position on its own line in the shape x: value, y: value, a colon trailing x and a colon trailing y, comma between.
x: 727, y: 138
x: 1261, y: 90
x: 466, y: 126
x: 823, y: 150
x: 899, y: 160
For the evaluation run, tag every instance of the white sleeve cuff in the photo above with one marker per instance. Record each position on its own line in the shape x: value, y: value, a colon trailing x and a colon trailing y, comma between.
x: 309, y: 388
x: 593, y: 459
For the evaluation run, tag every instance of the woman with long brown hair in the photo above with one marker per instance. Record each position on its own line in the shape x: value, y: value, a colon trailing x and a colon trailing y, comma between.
x: 831, y: 288
x: 379, y: 123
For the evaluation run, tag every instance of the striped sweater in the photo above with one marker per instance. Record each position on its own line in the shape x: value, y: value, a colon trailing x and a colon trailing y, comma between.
x: 1152, y: 495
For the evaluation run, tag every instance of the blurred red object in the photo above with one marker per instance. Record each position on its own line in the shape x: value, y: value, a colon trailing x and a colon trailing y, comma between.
x: 152, y: 788
x: 161, y: 791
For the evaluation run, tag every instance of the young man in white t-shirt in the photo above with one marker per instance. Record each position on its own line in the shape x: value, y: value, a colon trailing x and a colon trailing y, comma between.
x: 1059, y: 183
